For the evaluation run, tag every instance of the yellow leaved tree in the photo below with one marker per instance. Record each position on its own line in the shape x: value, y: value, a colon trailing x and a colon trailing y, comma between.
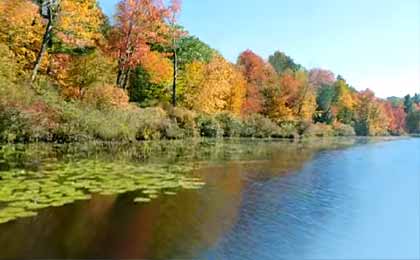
x: 79, y: 22
x: 21, y: 29
x: 69, y: 24
x: 213, y: 87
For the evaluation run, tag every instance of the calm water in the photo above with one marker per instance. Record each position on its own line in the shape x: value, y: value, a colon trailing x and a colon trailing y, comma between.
x: 337, y: 199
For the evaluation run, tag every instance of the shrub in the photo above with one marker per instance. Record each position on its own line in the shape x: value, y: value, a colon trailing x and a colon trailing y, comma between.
x: 209, y: 126
x: 13, y: 125
x: 343, y: 129
x: 260, y: 127
x: 26, y: 116
x: 171, y: 130
x: 185, y: 119
x: 302, y: 126
x: 106, y: 96
x: 319, y: 130
x: 231, y: 125
x: 29, y: 125
x: 79, y: 122
x: 151, y: 123
x: 288, y: 130
x: 72, y: 126
x: 44, y: 120
x: 113, y: 124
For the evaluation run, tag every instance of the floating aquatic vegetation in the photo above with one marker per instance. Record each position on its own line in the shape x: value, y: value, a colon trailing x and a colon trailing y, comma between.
x: 23, y: 193
x: 38, y: 176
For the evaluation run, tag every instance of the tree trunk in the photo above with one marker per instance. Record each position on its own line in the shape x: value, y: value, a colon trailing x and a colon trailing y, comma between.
x: 41, y: 53
x: 175, y: 64
x: 122, y: 70
x: 126, y: 78
x: 119, y: 75
x: 124, y: 58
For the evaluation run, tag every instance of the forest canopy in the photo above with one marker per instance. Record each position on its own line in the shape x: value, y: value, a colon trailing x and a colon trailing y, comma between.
x: 67, y: 73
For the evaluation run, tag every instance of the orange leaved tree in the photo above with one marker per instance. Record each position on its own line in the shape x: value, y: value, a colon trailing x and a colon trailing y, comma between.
x: 138, y: 23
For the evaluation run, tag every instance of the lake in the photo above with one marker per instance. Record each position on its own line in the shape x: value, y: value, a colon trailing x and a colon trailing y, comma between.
x: 206, y: 199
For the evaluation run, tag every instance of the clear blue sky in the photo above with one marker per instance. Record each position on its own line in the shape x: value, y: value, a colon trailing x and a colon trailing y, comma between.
x: 373, y: 43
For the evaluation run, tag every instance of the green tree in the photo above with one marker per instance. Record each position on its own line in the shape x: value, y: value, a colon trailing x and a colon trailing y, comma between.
x: 413, y: 122
x: 144, y: 91
x: 325, y: 96
x: 191, y: 48
x: 396, y: 101
x: 408, y: 104
x: 416, y: 99
x: 281, y: 62
x: 89, y: 69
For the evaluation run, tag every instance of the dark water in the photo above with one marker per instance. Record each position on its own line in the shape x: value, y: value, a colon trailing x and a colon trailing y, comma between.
x: 262, y: 200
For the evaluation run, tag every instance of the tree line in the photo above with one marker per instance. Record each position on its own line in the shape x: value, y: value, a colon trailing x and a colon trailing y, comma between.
x: 144, y: 57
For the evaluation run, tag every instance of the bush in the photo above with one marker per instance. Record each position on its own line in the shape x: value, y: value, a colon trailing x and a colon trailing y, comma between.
x: 13, y: 125
x: 301, y: 126
x: 26, y: 115
x: 319, y: 130
x: 87, y: 123
x: 113, y: 124
x: 185, y: 119
x: 48, y: 117
x: 171, y: 130
x: 44, y: 120
x: 343, y: 130
x: 151, y: 123
x: 80, y: 122
x: 288, y: 130
x: 34, y: 123
x: 260, y: 127
x: 231, y: 125
x: 72, y: 127
x: 208, y: 126
x: 106, y: 96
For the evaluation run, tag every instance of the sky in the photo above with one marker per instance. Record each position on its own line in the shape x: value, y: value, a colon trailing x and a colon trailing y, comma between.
x: 373, y: 44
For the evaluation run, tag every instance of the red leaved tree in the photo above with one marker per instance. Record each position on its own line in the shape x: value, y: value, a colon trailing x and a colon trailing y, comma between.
x: 259, y: 75
x: 397, y: 116
x: 320, y: 77
x: 138, y: 23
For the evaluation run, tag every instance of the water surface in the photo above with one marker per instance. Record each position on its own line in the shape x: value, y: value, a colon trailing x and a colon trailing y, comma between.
x: 322, y: 199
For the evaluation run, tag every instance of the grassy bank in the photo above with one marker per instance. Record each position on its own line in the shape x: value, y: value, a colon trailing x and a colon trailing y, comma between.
x: 30, y: 115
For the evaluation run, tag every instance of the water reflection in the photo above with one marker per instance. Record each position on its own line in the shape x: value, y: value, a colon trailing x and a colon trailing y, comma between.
x: 262, y: 200
x: 361, y: 203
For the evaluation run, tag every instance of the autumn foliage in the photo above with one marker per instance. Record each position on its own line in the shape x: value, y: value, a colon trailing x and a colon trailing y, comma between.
x: 213, y: 87
x: 79, y: 23
x: 158, y: 66
x: 138, y: 22
x: 90, y: 68
x: 259, y: 75
x: 21, y: 30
